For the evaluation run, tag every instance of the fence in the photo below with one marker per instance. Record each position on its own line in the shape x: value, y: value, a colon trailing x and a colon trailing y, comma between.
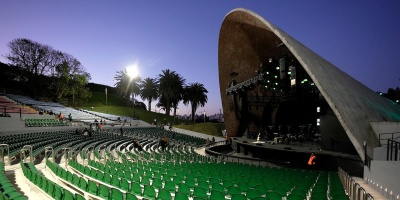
x: 354, y: 190
x: 392, y: 150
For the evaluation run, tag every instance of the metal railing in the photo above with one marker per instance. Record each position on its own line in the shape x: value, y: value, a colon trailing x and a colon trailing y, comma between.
x: 393, y: 147
x: 385, y: 138
x: 353, y: 189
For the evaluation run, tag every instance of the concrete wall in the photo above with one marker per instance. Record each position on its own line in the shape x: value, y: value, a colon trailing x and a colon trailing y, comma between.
x: 333, y: 136
x: 386, y: 127
x: 386, y: 174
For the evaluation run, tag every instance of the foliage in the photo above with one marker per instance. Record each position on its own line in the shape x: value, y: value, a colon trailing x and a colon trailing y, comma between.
x: 50, y: 70
x: 214, y: 129
x: 170, y: 89
x: 196, y: 95
x: 148, y: 90
x: 127, y: 86
x: 392, y: 94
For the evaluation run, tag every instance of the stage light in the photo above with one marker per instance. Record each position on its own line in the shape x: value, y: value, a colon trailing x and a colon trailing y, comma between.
x: 276, y: 76
x: 277, y: 68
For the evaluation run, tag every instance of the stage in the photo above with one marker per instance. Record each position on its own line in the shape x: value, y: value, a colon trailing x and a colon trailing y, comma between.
x: 295, y: 154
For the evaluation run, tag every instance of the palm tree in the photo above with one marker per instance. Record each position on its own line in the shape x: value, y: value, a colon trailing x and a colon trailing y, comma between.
x: 149, y: 90
x: 170, y: 88
x: 196, y: 95
x: 126, y: 85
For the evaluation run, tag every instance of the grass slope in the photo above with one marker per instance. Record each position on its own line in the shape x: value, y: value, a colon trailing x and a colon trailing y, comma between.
x: 117, y: 105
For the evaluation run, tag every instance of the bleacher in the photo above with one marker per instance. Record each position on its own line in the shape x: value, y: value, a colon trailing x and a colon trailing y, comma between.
x: 108, y: 166
x: 9, y: 106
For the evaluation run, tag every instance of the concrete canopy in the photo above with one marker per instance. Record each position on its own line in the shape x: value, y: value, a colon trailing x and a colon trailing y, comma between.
x: 245, y: 38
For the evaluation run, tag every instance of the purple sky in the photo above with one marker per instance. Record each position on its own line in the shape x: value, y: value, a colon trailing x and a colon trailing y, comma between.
x: 360, y: 37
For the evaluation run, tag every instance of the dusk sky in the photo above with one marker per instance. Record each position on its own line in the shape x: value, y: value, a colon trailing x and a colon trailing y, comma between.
x: 360, y: 37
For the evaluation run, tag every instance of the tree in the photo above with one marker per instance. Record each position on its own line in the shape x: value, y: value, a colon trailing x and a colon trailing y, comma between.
x: 40, y: 62
x: 196, y: 95
x: 127, y: 86
x: 170, y: 88
x: 148, y: 90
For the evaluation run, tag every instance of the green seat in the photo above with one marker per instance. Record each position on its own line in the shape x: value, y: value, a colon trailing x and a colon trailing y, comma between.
x: 170, y: 186
x: 190, y: 182
x: 69, y: 177
x: 339, y: 196
x: 217, y: 195
x: 116, y: 194
x: 50, y: 189
x: 180, y: 196
x: 218, y: 187
x: 200, y: 192
x: 115, y: 181
x: 79, y: 197
x: 107, y: 178
x: 274, y: 196
x: 149, y: 192
x: 92, y: 187
x: 295, y: 197
x: 82, y: 184
x: 227, y: 183
x: 243, y: 186
x: 184, y: 189
x: 238, y: 197
x: 75, y: 180
x: 145, y: 180
x: 203, y: 184
x: 157, y: 183
x: 124, y: 184
x: 58, y: 192
x: 103, y: 191
x: 164, y: 194
x: 68, y: 195
x: 130, y: 196
x: 252, y: 193
x: 135, y: 188
x: 233, y: 190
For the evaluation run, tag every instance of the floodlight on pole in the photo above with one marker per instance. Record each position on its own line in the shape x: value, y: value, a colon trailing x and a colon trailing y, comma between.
x: 132, y: 72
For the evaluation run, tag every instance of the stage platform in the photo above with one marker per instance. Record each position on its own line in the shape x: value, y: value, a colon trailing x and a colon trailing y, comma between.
x: 296, y: 154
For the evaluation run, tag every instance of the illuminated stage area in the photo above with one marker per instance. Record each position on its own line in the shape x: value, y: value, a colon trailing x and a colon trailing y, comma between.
x: 272, y: 84
x: 292, y: 155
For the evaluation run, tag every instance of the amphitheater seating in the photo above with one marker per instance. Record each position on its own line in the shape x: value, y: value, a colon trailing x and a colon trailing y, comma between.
x: 177, y: 172
x: 44, y: 123
x: 7, y: 190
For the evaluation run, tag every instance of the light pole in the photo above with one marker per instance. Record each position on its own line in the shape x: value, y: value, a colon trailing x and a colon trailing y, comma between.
x: 204, y: 116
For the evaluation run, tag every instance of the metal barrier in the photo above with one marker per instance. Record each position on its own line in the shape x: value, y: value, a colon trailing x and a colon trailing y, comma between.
x: 392, y: 137
x: 353, y: 189
x: 49, y: 149
x: 5, y: 157
x: 66, y: 149
x: 26, y: 148
x: 392, y: 145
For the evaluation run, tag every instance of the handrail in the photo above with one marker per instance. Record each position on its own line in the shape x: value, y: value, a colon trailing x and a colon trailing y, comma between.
x: 2, y: 151
x: 353, y: 189
x: 392, y: 145
x: 387, y: 138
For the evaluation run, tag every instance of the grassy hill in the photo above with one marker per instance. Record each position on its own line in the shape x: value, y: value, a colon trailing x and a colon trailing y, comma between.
x: 117, y: 105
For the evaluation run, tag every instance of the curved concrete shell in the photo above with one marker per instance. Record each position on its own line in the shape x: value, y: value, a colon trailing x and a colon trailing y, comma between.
x: 246, y: 39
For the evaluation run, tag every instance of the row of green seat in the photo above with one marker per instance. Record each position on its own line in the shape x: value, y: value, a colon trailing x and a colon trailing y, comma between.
x: 44, y: 123
x: 98, y: 190
x: 48, y: 187
x: 7, y: 190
